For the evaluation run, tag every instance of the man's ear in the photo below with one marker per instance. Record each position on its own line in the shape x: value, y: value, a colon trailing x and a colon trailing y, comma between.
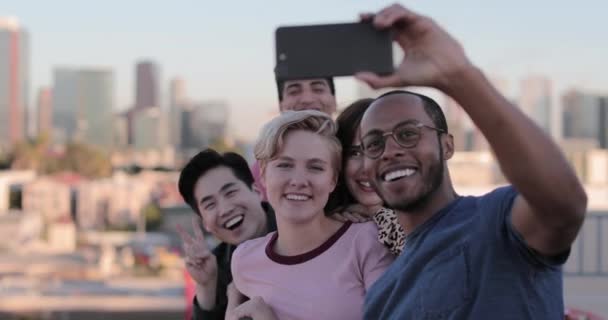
x: 448, y: 146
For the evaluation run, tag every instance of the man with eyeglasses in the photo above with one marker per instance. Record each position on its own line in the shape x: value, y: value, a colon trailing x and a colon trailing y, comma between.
x: 497, y: 256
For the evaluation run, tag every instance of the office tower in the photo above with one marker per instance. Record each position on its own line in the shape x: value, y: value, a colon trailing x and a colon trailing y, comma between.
x: 149, y: 129
x: 146, y: 85
x: 203, y: 123
x: 535, y: 101
x: 44, y: 110
x: 581, y: 115
x: 83, y: 101
x: 14, y: 80
x: 603, y: 122
x: 177, y: 102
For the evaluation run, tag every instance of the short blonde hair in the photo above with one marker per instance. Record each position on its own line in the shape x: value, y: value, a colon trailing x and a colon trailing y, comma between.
x: 270, y: 141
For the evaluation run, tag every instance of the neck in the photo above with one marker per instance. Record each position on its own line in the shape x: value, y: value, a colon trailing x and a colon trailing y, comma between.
x: 295, y: 239
x: 263, y: 229
x: 439, y: 199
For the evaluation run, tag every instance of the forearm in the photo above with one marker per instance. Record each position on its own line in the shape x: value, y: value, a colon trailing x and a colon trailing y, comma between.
x: 206, y: 297
x: 530, y: 160
x: 198, y: 313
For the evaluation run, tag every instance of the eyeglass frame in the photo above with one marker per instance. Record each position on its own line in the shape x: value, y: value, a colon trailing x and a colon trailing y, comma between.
x: 391, y: 133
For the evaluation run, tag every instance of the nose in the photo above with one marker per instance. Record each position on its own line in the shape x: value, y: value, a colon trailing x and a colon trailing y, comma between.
x: 391, y: 148
x: 224, y: 208
x: 307, y: 98
x: 298, y: 179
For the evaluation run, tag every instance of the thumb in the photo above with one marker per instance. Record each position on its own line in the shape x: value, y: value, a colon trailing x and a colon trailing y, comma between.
x: 377, y: 82
x: 234, y: 297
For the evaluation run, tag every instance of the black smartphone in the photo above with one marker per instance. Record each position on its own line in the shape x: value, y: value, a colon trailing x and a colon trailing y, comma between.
x: 331, y: 50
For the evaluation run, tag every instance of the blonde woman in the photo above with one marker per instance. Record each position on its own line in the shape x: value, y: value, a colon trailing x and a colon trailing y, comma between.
x: 313, y: 267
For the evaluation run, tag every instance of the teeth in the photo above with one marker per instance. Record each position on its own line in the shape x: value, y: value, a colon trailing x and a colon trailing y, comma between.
x: 230, y: 223
x: 365, y: 184
x: 297, y: 197
x: 393, y: 175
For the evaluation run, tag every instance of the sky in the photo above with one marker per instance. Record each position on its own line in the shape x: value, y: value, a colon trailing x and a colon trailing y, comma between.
x: 225, y: 50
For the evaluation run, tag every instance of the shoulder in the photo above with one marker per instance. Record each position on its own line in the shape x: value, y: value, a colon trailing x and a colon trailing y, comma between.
x: 363, y: 231
x: 500, y: 199
x: 499, y: 193
x: 252, y: 247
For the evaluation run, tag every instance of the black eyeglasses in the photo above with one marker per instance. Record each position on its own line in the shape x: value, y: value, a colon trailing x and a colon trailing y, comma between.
x: 406, y: 135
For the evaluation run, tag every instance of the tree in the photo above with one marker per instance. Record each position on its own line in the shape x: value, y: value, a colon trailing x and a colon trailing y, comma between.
x: 153, y: 216
x: 87, y: 161
x: 221, y: 146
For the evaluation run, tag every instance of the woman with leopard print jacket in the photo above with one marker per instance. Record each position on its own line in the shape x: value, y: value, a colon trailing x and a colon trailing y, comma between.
x: 354, y: 199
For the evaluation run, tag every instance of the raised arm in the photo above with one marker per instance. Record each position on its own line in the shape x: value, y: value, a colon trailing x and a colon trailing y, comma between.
x: 552, y: 203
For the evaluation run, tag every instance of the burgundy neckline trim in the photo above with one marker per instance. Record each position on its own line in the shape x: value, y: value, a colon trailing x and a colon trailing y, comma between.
x: 301, y: 258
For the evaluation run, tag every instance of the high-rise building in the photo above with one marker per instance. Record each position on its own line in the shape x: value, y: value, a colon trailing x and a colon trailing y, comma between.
x: 603, y: 122
x: 83, y: 101
x: 44, y: 110
x: 177, y: 92
x: 121, y: 130
x: 65, y: 106
x: 149, y: 129
x: 203, y: 123
x: 97, y: 106
x: 146, y: 85
x: 581, y: 115
x: 146, y: 93
x: 14, y: 80
x: 177, y: 101
x: 467, y: 137
x: 535, y: 101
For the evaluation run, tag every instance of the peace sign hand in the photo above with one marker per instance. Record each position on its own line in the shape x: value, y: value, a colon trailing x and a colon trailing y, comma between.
x: 200, y: 263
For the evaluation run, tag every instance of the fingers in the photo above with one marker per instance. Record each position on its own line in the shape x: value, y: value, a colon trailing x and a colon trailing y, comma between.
x: 235, y: 298
x: 338, y: 217
x: 197, y: 259
x: 360, y: 217
x: 363, y: 211
x: 393, y: 16
x: 256, y: 308
x: 365, y: 17
x: 194, y: 247
x: 377, y: 82
x: 349, y: 217
x: 184, y: 235
x: 198, y: 233
x: 356, y: 218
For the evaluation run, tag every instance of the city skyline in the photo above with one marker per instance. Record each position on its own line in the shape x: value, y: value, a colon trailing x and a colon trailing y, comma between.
x: 220, y: 50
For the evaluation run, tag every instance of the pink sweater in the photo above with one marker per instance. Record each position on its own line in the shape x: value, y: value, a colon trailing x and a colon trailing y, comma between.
x: 328, y: 282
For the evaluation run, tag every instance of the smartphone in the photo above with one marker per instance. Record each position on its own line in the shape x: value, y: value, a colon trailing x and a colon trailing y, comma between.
x: 331, y: 50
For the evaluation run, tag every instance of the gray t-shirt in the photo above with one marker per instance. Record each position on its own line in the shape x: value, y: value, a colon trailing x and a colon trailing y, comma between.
x: 468, y: 262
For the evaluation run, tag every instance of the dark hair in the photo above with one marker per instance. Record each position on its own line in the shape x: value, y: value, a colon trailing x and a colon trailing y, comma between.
x: 281, y: 85
x: 432, y: 109
x: 348, y: 123
x: 204, y: 161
